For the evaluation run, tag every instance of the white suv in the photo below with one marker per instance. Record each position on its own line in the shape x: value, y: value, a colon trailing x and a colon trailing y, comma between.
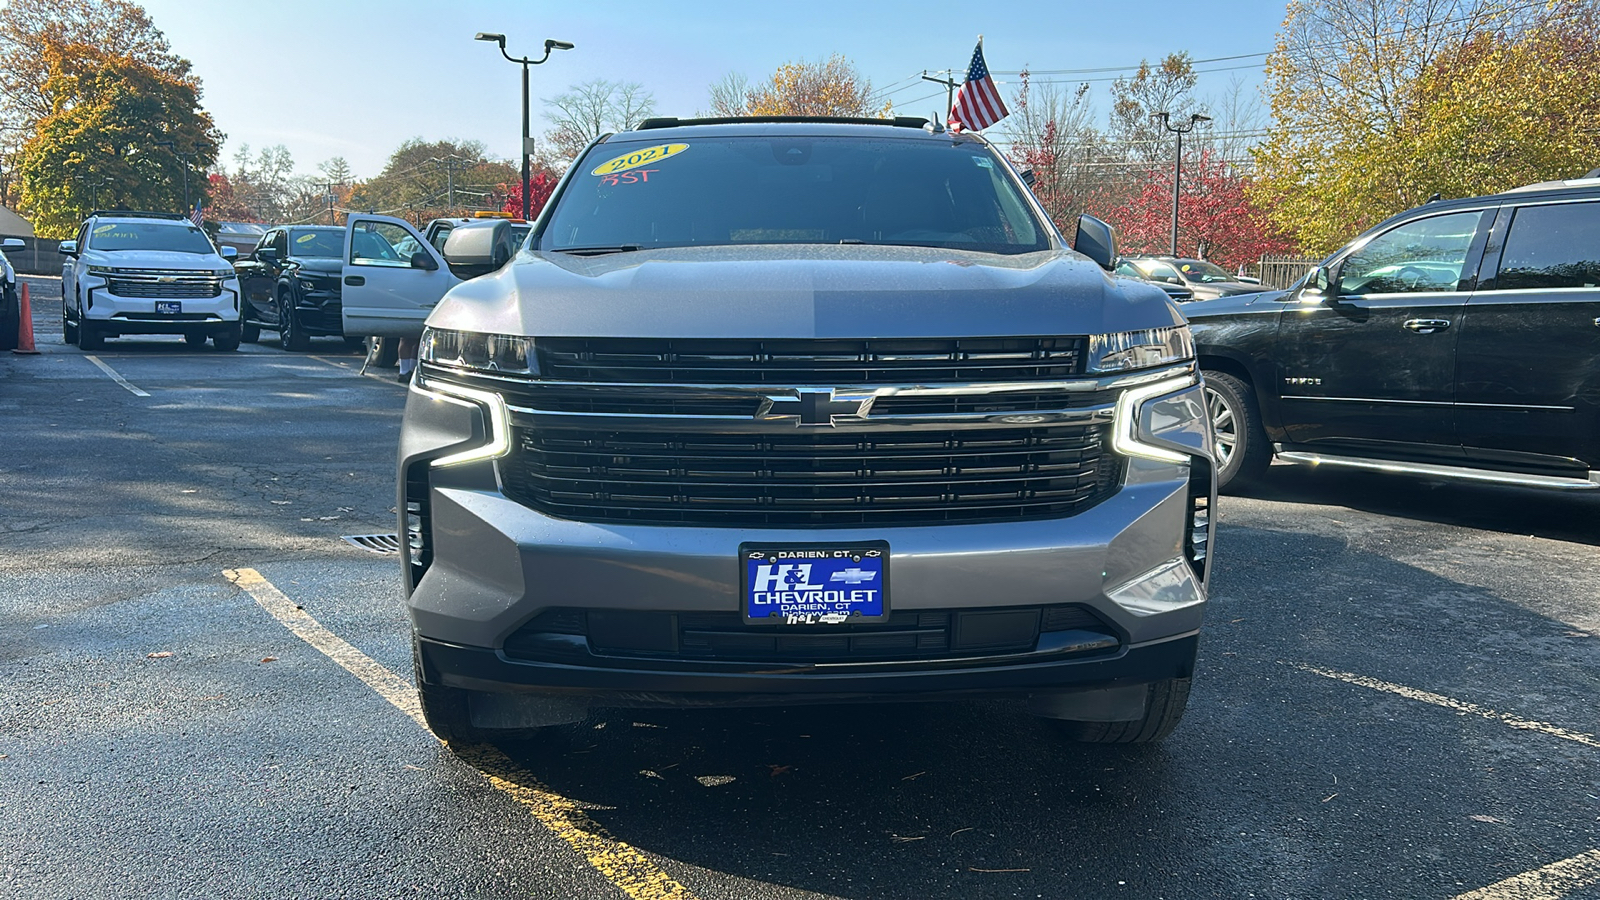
x: 147, y: 273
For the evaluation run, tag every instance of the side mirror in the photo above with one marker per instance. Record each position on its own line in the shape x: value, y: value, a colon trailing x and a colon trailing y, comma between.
x: 12, y: 244
x: 421, y: 260
x: 1028, y: 178
x: 1096, y: 240
x: 229, y: 253
x: 68, y: 248
x: 267, y: 255
x: 1318, y: 285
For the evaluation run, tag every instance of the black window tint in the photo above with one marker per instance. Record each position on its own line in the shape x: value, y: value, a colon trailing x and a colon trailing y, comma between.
x: 1552, y: 247
x: 1421, y: 256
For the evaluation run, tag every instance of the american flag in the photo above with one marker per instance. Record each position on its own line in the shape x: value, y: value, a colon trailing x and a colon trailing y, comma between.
x: 194, y: 215
x: 978, y: 103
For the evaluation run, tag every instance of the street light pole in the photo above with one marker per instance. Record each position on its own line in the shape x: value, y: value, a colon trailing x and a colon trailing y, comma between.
x: 1177, y: 163
x: 549, y: 44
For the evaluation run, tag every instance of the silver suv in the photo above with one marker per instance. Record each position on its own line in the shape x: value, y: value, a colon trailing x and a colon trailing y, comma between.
x: 785, y: 411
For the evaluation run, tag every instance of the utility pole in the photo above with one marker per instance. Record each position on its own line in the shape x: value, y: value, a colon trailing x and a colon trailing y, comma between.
x: 451, y: 164
x: 184, y: 158
x: 950, y: 85
x: 1177, y: 163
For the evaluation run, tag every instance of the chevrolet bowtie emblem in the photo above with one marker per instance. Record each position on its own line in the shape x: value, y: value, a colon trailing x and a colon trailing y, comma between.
x: 818, y: 407
x: 167, y: 279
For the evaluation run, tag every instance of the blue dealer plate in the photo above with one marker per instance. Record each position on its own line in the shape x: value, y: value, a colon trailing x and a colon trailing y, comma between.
x: 169, y: 306
x: 814, y: 584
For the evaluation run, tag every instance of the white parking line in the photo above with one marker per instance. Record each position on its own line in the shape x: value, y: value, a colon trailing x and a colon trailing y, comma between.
x: 1410, y: 693
x: 115, y: 376
x: 1551, y: 882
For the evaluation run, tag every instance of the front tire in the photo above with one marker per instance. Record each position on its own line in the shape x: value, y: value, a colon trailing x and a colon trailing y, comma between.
x: 69, y: 328
x: 445, y: 709
x: 1163, y: 710
x: 90, y: 337
x: 290, y: 331
x: 250, y: 333
x: 1243, y: 453
x: 194, y: 338
x: 227, y: 341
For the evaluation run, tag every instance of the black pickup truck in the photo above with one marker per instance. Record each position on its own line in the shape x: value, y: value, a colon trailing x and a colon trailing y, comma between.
x: 1459, y: 340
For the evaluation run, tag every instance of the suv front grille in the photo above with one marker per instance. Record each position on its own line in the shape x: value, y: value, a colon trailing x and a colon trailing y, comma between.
x: 811, y: 478
x: 163, y: 284
x: 802, y: 362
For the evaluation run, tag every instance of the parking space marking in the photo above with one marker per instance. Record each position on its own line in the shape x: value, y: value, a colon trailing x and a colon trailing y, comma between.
x: 115, y: 376
x: 1459, y: 706
x: 622, y: 864
x: 1551, y: 882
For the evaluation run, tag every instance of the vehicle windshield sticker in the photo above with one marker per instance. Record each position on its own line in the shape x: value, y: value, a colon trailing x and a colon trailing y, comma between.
x: 105, y: 228
x: 638, y: 158
x: 635, y: 176
x: 983, y: 162
x: 306, y: 238
x: 1185, y: 268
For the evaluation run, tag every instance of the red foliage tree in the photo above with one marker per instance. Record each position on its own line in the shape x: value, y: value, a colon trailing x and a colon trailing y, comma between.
x: 1216, y: 220
x: 540, y: 186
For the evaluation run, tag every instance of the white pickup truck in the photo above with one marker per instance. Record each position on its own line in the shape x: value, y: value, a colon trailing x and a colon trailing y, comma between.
x: 393, y: 276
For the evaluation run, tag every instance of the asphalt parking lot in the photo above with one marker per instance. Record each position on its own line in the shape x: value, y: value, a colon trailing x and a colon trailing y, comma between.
x: 203, y: 693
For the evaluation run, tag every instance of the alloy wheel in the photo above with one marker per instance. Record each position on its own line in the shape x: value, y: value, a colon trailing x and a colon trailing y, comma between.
x: 1224, y: 425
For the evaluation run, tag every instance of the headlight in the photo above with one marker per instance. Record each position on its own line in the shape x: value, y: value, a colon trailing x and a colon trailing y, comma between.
x: 498, y: 424
x: 507, y: 353
x: 225, y: 274
x: 1125, y: 351
x: 307, y: 284
x: 102, y: 271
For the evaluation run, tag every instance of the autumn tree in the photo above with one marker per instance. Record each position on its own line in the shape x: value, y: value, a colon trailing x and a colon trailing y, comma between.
x: 585, y: 111
x: 833, y: 87
x: 1378, y: 105
x: 1217, y: 219
x: 336, y: 170
x: 541, y: 185
x: 1136, y: 99
x: 429, y: 175
x: 97, y: 145
x: 1049, y: 132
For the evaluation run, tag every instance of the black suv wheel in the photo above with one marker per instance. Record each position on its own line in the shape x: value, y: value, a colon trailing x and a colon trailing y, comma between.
x: 289, y: 328
x: 1241, y: 444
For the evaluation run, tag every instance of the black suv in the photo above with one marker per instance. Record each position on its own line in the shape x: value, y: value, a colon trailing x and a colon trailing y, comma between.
x: 1457, y: 340
x: 290, y: 283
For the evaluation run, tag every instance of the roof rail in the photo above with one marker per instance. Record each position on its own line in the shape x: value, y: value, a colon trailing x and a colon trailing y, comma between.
x: 138, y: 213
x: 673, y: 122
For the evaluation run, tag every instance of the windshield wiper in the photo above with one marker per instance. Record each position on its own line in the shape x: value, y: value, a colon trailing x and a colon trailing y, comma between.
x: 599, y: 251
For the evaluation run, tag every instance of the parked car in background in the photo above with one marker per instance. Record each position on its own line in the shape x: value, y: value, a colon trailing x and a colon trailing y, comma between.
x: 9, y: 301
x: 147, y: 273
x: 1175, y: 290
x: 291, y: 285
x: 241, y: 236
x: 782, y: 411
x: 439, y: 229
x: 1204, y: 280
x: 394, y: 275
x: 1458, y: 340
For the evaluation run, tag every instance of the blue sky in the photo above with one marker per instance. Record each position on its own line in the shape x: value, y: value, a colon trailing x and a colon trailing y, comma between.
x: 354, y: 78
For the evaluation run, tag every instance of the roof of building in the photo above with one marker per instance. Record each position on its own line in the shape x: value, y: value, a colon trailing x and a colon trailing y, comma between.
x: 14, y: 225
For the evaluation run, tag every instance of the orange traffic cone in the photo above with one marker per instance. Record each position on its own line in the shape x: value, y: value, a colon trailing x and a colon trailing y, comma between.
x: 25, y: 325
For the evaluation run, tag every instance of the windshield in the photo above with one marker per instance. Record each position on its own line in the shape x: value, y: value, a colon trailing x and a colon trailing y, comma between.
x: 240, y: 228
x: 793, y: 190
x: 316, y: 243
x: 1199, y: 270
x: 149, y: 236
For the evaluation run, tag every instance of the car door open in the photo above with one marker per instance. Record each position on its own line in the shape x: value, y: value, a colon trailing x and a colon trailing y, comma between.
x: 392, y: 278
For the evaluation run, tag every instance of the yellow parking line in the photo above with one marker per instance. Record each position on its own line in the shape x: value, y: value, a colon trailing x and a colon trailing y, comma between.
x: 1551, y: 882
x: 621, y: 863
x: 1457, y: 705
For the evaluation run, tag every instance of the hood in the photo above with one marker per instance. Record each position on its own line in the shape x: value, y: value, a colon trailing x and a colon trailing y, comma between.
x: 802, y: 291
x: 1230, y: 288
x: 320, y: 265
x: 156, y: 259
x: 1232, y: 303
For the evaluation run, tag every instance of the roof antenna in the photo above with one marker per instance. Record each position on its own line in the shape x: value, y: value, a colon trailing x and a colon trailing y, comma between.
x: 934, y: 126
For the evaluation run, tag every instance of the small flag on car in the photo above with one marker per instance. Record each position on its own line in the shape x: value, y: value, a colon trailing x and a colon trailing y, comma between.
x: 194, y: 215
x: 978, y: 103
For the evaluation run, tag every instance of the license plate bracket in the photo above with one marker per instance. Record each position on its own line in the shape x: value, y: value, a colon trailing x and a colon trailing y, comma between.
x: 814, y: 584
x: 169, y: 307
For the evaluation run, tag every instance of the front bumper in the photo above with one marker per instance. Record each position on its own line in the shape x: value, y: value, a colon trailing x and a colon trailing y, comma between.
x: 488, y: 567
x: 137, y: 315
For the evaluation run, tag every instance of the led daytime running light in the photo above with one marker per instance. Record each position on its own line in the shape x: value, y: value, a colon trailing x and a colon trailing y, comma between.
x: 1125, y: 428
x: 499, y: 424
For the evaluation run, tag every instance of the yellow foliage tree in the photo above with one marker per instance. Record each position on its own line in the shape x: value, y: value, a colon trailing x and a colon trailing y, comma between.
x: 833, y: 87
x: 1377, y: 106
